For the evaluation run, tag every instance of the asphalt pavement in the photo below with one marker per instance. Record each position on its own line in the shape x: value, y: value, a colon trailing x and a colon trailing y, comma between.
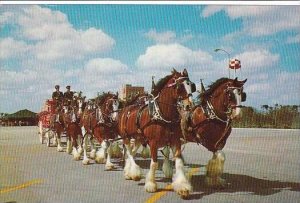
x: 262, y: 165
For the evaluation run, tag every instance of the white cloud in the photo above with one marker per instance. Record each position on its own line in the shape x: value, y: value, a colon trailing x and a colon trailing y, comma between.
x: 104, y: 66
x: 12, y: 48
x: 294, y: 39
x: 261, y: 20
x: 256, y: 61
x: 39, y: 23
x: 210, y: 10
x: 54, y: 37
x: 168, y: 37
x: 276, y: 88
x: 162, y: 37
x: 94, y: 40
x: 166, y: 56
x: 5, y: 17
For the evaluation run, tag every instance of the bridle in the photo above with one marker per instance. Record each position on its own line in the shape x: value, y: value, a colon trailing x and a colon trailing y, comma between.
x: 108, y: 112
x: 157, y: 112
x: 231, y: 96
x: 179, y: 85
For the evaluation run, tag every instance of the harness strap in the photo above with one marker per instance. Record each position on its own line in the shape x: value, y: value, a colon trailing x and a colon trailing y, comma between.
x: 138, y: 118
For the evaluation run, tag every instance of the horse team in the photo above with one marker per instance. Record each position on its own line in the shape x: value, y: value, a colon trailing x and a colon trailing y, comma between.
x: 166, y: 118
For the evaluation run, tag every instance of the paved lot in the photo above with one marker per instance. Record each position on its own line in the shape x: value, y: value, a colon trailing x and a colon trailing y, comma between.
x: 262, y: 165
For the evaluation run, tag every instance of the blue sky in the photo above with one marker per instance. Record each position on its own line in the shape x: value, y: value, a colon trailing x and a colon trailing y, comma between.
x: 97, y: 48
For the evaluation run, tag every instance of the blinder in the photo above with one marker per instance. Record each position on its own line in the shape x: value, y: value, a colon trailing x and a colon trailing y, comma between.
x: 193, y: 87
x: 244, y: 96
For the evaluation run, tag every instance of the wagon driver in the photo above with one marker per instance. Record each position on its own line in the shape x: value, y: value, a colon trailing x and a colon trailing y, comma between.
x: 68, y: 95
x: 57, y: 96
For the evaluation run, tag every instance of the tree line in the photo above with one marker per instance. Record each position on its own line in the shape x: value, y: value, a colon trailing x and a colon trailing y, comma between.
x: 278, y: 116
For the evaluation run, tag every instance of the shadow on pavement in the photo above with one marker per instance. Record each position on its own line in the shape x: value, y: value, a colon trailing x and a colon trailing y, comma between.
x: 241, y: 183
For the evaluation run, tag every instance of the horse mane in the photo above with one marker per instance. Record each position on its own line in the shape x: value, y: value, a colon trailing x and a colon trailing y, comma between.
x: 161, y: 83
x: 101, y: 98
x: 213, y: 86
x: 134, y: 99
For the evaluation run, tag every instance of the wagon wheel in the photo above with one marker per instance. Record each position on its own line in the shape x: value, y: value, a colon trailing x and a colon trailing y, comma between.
x: 47, y: 139
x: 41, y: 133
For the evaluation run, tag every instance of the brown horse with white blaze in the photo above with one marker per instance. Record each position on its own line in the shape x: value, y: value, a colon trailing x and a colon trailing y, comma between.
x: 210, y: 122
x: 73, y: 131
x: 98, y: 121
x: 158, y: 124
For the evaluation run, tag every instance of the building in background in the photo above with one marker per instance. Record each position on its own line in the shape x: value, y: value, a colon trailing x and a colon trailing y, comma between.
x: 128, y: 91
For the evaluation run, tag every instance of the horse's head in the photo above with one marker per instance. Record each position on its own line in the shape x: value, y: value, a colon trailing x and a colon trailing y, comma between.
x: 227, y: 94
x: 183, y: 87
x: 65, y: 106
x: 80, y: 104
x: 90, y: 105
x: 112, y: 106
x: 236, y: 96
x: 109, y: 105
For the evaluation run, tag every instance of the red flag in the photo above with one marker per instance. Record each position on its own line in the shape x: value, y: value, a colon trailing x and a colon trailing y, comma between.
x: 235, y: 64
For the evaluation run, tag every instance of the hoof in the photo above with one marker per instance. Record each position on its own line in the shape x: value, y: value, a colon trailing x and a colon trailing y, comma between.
x: 136, y: 178
x: 100, y: 160
x: 76, y: 157
x: 127, y: 177
x: 93, y: 154
x: 85, y: 161
x: 109, y: 167
x: 60, y: 149
x: 151, y: 187
x: 184, y: 194
x: 182, y: 189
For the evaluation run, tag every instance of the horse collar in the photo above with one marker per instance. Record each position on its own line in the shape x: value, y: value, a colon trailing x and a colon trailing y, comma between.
x: 211, y: 114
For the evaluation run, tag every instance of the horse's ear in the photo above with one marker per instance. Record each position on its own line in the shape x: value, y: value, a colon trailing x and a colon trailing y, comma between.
x: 117, y: 93
x: 185, y: 72
x: 174, y: 71
x: 244, y: 81
x: 235, y: 80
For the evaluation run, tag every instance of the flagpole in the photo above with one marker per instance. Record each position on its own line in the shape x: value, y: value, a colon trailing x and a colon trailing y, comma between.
x: 228, y: 55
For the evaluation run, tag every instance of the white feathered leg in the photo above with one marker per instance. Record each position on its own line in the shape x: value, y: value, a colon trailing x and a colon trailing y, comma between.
x: 100, y: 155
x: 47, y: 135
x: 181, y: 184
x: 54, y: 139
x: 85, y: 160
x: 109, y: 165
x: 69, y: 147
x: 93, y: 149
x: 167, y: 166
x: 150, y: 183
x: 214, y: 170
x: 131, y: 170
x: 59, y: 147
x: 76, y: 155
x: 80, y: 140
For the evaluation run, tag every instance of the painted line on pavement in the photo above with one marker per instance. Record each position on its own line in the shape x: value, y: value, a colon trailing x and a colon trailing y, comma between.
x: 21, y: 186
